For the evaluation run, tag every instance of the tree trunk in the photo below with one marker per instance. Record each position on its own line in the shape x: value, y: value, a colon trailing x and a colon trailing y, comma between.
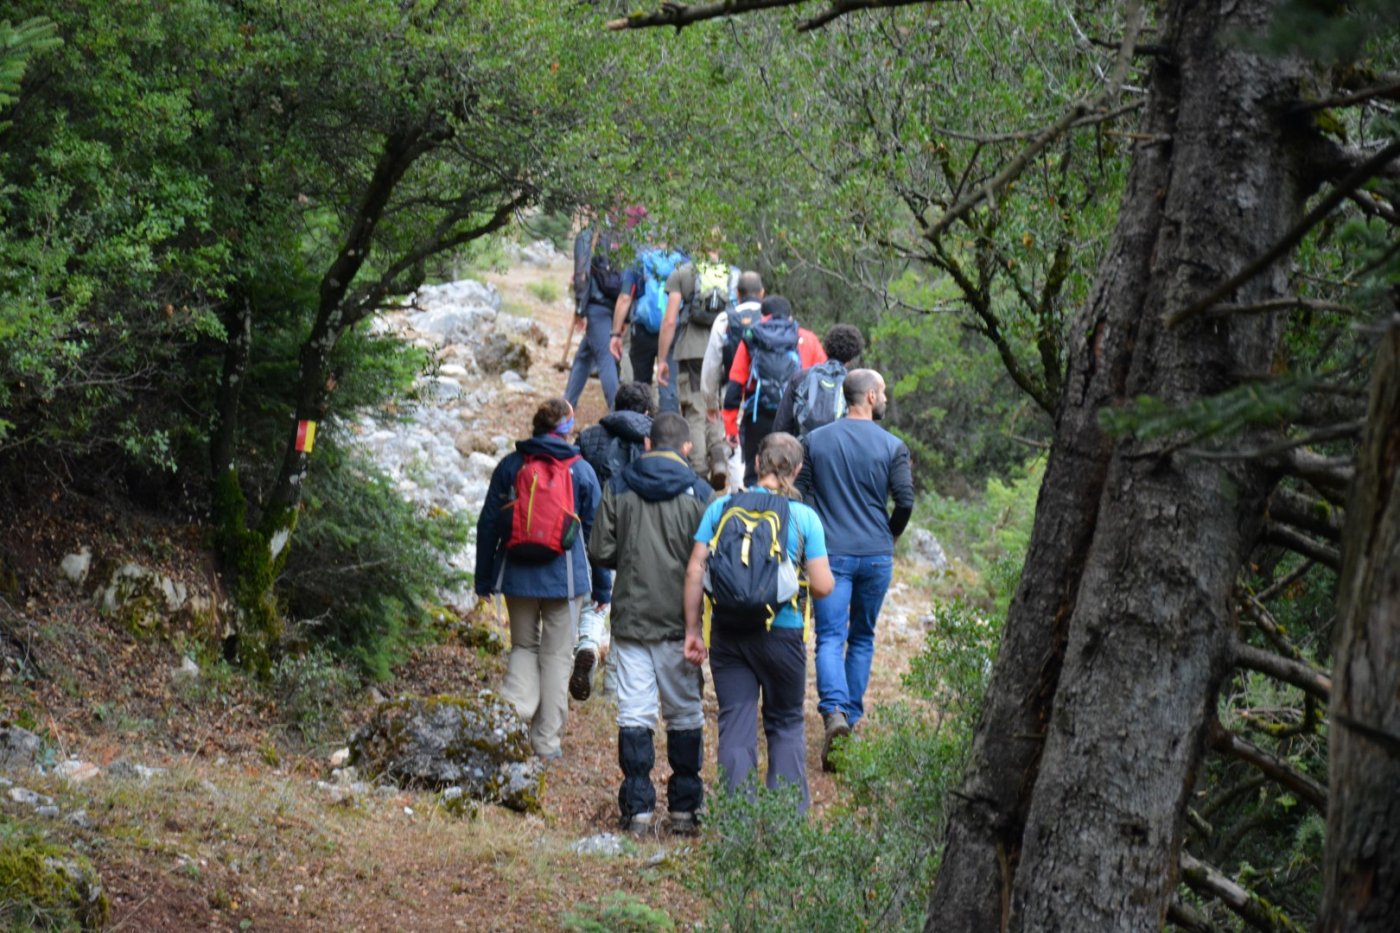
x: 1120, y: 631
x: 1362, y: 863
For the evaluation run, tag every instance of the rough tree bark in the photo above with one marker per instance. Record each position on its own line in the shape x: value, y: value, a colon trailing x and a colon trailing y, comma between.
x: 1362, y: 863
x: 1120, y: 632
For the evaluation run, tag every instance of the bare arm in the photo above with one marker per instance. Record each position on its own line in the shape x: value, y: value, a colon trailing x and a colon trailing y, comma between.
x: 820, y: 582
x: 668, y: 336
x: 695, y: 650
x: 624, y: 305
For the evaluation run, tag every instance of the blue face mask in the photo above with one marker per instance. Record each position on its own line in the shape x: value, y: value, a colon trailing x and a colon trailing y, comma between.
x: 564, y: 428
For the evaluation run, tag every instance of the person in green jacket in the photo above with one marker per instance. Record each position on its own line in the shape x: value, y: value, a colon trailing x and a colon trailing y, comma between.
x: 643, y: 530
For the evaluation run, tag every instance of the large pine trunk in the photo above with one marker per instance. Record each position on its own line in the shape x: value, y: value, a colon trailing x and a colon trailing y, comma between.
x: 1119, y: 634
x: 1362, y: 867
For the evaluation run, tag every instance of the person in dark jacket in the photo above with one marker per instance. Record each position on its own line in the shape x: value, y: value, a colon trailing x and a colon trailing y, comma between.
x: 543, y: 597
x: 612, y: 443
x: 843, y: 344
x: 853, y: 468
x: 628, y: 425
x: 596, y: 283
x: 649, y: 512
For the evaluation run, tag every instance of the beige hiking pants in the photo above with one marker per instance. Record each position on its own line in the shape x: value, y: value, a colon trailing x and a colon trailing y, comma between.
x: 537, y: 672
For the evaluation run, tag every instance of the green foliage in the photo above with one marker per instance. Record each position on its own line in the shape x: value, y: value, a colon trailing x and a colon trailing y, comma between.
x: 18, y: 44
x: 369, y: 565
x: 991, y: 531
x: 545, y: 291
x: 1218, y: 416
x: 314, y: 691
x: 617, y: 912
x: 44, y: 886
x: 868, y: 864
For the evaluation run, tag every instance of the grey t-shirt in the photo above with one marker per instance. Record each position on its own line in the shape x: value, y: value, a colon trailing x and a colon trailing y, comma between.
x: 691, y: 340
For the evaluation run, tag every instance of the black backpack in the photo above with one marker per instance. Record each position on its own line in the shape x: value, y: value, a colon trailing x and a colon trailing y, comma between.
x: 620, y: 452
x: 713, y: 293
x: 749, y: 576
x: 819, y: 398
x: 741, y: 320
x: 773, y: 360
x: 604, y: 278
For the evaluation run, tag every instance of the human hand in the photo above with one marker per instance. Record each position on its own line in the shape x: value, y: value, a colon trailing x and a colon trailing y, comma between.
x: 712, y: 415
x: 615, y: 348
x: 695, y: 650
x: 663, y: 373
x: 733, y: 441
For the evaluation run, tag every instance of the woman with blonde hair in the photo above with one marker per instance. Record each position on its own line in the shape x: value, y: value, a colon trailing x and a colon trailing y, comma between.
x: 757, y: 641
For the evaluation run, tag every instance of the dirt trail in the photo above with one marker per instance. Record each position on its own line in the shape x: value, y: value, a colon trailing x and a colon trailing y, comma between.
x: 234, y: 835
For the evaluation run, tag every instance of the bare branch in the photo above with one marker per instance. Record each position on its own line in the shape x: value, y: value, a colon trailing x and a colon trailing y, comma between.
x: 1271, y: 766
x: 1299, y: 543
x: 1250, y: 907
x: 1373, y: 207
x: 1315, y: 516
x: 1281, y: 304
x: 1185, y: 917
x: 680, y: 15
x: 1337, y: 432
x: 1354, y: 179
x: 1023, y: 135
x: 1278, y: 586
x: 1300, y: 674
x: 1330, y: 476
x: 1389, y: 89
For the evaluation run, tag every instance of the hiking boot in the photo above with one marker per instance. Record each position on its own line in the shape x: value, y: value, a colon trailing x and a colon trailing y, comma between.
x: 683, y: 824
x: 836, y: 727
x: 581, y: 680
x: 639, y: 824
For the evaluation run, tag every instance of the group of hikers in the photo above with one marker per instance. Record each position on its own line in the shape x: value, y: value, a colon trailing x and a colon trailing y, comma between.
x: 649, y: 528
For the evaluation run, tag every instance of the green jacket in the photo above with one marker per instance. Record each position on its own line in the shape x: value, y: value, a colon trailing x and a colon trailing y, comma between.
x: 644, y: 529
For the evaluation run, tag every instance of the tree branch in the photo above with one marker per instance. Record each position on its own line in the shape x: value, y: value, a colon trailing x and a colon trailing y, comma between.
x: 1300, y: 674
x: 1281, y: 304
x: 1354, y: 179
x: 1248, y: 906
x: 680, y: 15
x: 1315, y: 516
x: 1271, y: 766
x: 1299, y: 543
x: 1185, y: 917
x: 1390, y: 89
x: 1330, y: 476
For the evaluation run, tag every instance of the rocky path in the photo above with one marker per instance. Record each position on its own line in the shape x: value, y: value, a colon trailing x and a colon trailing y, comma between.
x: 209, y: 826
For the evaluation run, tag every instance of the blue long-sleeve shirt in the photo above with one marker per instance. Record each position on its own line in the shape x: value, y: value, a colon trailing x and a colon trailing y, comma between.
x: 852, y: 468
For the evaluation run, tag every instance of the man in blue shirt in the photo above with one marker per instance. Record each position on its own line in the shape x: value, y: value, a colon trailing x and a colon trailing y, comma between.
x: 853, y: 467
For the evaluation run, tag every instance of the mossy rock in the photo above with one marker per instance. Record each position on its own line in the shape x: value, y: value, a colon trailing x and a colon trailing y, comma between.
x: 48, y: 887
x: 477, y: 743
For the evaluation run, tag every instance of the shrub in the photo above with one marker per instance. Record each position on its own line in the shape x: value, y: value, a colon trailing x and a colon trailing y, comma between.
x: 313, y: 691
x: 618, y: 912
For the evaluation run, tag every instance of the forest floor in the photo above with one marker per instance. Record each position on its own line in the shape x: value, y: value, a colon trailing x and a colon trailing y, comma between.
x: 237, y: 830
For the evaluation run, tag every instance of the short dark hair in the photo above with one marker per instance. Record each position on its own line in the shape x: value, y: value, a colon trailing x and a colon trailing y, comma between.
x: 669, y: 430
x: 633, y: 396
x: 749, y: 285
x: 550, y: 415
x: 858, y: 382
x: 778, y: 307
x: 843, y: 343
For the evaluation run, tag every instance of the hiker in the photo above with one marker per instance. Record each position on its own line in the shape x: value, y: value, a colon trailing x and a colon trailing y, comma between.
x: 755, y: 553
x: 813, y: 397
x: 596, y: 284
x: 608, y: 446
x: 698, y: 294
x: 852, y: 468
x: 649, y: 512
x: 530, y: 546
x: 719, y: 356
x: 767, y: 354
x: 643, y: 298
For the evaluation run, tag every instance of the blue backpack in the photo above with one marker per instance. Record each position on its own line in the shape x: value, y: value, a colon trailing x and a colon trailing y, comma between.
x: 657, y: 266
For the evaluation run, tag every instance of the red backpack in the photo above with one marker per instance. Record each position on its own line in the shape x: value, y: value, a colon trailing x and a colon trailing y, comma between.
x: 543, y: 523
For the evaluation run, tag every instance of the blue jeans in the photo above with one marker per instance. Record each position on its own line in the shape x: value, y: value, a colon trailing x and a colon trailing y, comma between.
x: 643, y: 351
x: 846, y: 631
x: 594, y: 352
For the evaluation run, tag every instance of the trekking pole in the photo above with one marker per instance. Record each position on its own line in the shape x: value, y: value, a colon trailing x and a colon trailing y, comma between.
x: 563, y: 363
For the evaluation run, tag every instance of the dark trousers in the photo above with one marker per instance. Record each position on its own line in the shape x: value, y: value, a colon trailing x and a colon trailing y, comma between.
x: 643, y: 355
x: 772, y: 666
x: 752, y: 431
